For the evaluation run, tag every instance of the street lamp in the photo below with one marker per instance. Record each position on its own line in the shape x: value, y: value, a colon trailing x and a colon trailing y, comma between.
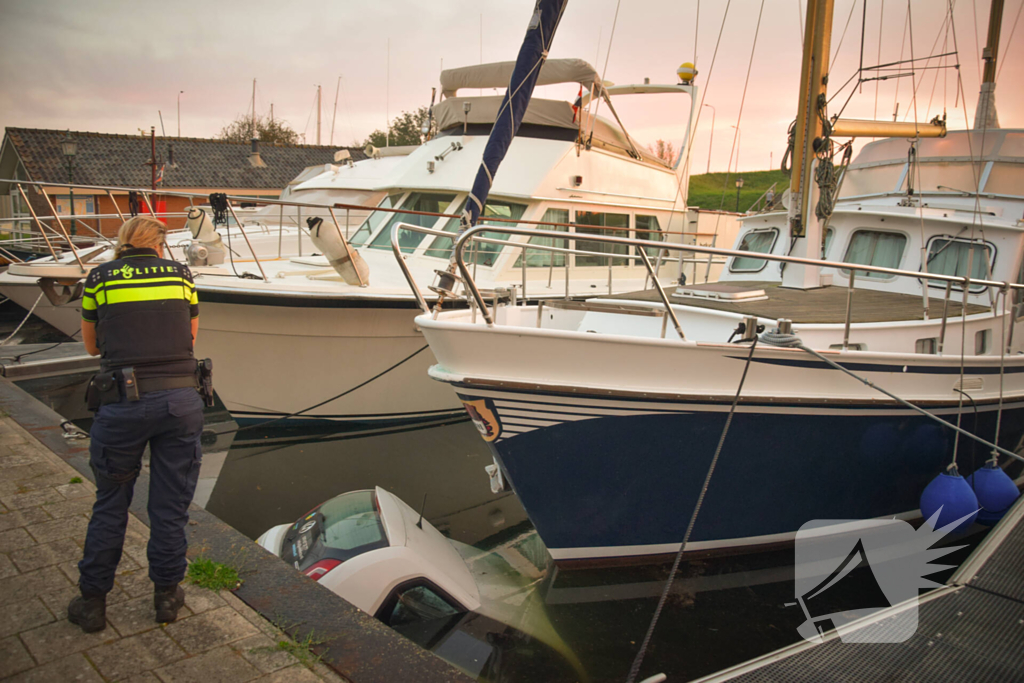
x: 70, y: 148
x: 739, y: 186
x: 712, y: 140
x: 180, y: 92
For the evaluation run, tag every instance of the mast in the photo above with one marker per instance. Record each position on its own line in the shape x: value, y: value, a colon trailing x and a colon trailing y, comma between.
x: 985, y: 116
x: 253, y: 127
x: 804, y: 227
x: 318, y: 110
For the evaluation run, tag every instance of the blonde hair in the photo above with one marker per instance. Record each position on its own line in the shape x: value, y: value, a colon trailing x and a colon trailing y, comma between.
x: 140, y: 232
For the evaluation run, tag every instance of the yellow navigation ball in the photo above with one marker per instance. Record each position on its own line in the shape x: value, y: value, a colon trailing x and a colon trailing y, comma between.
x: 686, y: 72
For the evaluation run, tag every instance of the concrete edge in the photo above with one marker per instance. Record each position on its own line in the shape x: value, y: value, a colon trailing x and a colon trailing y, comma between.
x: 353, y: 643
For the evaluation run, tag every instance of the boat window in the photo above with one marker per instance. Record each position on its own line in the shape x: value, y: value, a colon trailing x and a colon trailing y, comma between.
x: 758, y: 241
x: 408, y: 240
x: 875, y: 248
x: 959, y: 174
x: 648, y: 228
x: 829, y: 234
x: 875, y: 180
x: 618, y: 226
x: 545, y: 259
x: 417, y: 603
x: 949, y: 256
x: 374, y: 220
x: 1006, y: 179
x: 480, y: 253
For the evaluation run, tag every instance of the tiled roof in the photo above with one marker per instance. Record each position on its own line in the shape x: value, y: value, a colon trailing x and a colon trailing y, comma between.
x: 121, y: 160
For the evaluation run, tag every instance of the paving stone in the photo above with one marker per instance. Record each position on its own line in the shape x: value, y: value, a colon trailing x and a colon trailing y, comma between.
x: 326, y: 673
x: 7, y: 567
x: 211, y: 629
x: 251, y: 615
x: 70, y: 508
x: 148, y: 677
x: 201, y: 600
x: 134, y: 655
x: 13, y: 657
x: 137, y: 615
x: 222, y: 665
x: 19, y: 459
x: 294, y: 674
x: 69, y: 527
x: 75, y: 491
x: 262, y: 652
x: 15, y: 539
x: 31, y: 498
x: 135, y: 584
x: 24, y: 586
x: 60, y: 638
x: 13, y: 475
x: 57, y: 601
x: 19, y: 518
x: 23, y: 616
x: 70, y: 569
x: 56, y: 552
x: 74, y: 668
x: 34, y: 483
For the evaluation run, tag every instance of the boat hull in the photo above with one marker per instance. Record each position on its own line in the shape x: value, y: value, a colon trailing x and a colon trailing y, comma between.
x: 611, y: 478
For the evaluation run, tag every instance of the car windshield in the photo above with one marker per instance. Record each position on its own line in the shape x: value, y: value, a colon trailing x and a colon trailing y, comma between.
x: 351, y: 520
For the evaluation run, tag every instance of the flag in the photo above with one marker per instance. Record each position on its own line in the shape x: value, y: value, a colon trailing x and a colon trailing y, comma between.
x: 160, y: 174
x: 577, y: 104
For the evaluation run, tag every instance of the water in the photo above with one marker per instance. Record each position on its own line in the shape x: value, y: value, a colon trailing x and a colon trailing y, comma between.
x: 579, y: 625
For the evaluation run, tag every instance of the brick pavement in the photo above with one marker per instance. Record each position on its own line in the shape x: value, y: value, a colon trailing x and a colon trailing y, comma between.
x: 43, y: 518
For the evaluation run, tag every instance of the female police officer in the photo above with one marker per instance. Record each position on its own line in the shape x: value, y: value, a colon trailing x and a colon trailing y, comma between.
x: 140, y: 312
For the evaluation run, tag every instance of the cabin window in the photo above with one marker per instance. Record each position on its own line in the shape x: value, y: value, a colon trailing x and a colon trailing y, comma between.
x: 759, y: 241
x: 614, y: 224
x: 949, y: 256
x: 1005, y: 179
x: 408, y: 240
x: 480, y: 253
x: 546, y: 259
x: 875, y: 248
x: 829, y: 234
x: 928, y: 345
x: 982, y: 342
x: 873, y: 180
x: 648, y: 228
x: 374, y: 220
x: 949, y: 174
x: 417, y: 603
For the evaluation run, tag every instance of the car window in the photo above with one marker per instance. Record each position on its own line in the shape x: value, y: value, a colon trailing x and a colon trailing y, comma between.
x: 418, y: 603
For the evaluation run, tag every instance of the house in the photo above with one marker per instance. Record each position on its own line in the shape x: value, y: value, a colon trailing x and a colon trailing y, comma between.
x: 192, y: 165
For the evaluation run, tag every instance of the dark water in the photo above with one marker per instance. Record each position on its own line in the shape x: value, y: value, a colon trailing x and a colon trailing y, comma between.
x: 719, y: 613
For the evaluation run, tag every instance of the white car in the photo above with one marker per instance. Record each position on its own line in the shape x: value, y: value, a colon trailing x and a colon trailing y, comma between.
x: 466, y: 605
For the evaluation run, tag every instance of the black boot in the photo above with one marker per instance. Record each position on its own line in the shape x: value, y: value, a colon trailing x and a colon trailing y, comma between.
x: 168, y: 600
x: 88, y: 611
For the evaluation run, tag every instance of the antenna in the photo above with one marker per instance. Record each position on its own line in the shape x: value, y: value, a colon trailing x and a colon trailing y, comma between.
x: 161, y: 115
x: 387, y: 99
x: 319, y: 109
x: 423, y: 506
x: 253, y: 108
x: 335, y: 117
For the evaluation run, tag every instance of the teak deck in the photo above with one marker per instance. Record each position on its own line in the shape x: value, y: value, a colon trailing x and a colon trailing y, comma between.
x: 823, y: 305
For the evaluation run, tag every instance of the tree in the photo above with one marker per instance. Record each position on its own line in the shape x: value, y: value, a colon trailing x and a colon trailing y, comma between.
x: 267, y: 130
x: 664, y: 151
x: 406, y: 129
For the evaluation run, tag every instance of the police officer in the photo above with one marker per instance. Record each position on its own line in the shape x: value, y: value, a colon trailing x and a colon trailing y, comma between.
x: 140, y: 313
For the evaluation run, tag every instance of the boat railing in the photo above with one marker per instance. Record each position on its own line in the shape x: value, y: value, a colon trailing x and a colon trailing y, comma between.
x: 477, y: 300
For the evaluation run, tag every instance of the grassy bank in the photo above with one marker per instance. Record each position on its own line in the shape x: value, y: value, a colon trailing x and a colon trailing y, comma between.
x: 706, y: 190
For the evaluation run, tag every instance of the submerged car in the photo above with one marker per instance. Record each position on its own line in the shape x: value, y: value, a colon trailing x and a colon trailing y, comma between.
x: 379, y: 554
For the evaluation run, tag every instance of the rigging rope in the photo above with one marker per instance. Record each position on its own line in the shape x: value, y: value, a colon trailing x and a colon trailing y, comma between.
x: 1009, y: 41
x: 23, y: 320
x: 634, y: 670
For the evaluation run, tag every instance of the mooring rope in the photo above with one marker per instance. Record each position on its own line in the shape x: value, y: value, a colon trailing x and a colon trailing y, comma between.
x: 23, y: 321
x: 634, y: 670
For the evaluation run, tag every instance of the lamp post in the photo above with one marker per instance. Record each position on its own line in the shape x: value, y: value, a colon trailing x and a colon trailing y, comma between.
x: 739, y: 141
x: 70, y: 148
x: 739, y: 186
x: 180, y: 93
x: 712, y: 140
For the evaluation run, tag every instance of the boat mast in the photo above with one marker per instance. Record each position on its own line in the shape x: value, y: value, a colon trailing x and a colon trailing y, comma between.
x: 985, y: 116
x: 804, y: 226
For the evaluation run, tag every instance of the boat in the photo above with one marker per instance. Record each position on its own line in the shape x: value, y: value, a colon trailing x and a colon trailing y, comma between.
x: 720, y: 418
x: 310, y: 335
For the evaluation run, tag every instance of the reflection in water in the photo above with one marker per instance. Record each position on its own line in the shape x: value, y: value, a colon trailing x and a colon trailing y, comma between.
x: 572, y: 625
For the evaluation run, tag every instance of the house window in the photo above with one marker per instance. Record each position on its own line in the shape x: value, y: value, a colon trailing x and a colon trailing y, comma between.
x: 481, y: 253
x: 617, y: 225
x: 875, y: 248
x: 545, y: 259
x: 374, y: 220
x: 408, y: 240
x: 648, y: 228
x: 949, y: 256
x: 758, y: 241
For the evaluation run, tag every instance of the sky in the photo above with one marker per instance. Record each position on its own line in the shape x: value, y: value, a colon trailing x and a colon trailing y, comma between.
x: 113, y: 66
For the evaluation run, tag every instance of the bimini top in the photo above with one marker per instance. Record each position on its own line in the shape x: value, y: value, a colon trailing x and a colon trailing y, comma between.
x: 498, y: 74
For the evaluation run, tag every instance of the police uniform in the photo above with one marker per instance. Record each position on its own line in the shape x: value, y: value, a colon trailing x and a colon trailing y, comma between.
x: 142, y: 306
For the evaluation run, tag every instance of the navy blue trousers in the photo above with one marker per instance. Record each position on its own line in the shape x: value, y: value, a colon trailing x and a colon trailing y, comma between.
x: 170, y: 422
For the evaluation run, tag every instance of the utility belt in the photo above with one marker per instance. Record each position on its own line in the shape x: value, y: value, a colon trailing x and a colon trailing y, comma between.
x: 113, y: 385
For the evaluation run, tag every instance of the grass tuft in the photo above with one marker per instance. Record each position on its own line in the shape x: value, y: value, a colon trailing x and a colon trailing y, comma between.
x: 301, y: 649
x: 75, y: 480
x: 206, y: 573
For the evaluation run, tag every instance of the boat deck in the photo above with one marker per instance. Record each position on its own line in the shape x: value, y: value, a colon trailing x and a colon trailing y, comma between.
x: 969, y: 629
x: 824, y: 305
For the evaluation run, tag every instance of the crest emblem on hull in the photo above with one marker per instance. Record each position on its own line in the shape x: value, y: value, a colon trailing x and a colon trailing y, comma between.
x: 484, y: 416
